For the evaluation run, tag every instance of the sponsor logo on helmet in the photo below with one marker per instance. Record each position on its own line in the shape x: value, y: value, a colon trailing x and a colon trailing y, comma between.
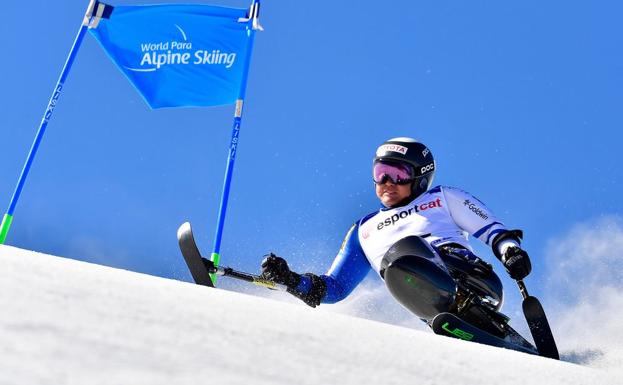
x: 475, y: 209
x: 427, y: 168
x: 392, y: 220
x: 391, y: 148
x: 425, y: 152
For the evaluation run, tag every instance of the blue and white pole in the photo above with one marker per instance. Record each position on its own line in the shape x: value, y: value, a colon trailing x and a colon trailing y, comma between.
x: 91, y: 17
x: 253, y: 21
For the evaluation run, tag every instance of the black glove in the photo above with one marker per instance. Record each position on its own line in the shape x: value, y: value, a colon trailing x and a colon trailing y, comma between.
x: 276, y: 269
x: 516, y: 262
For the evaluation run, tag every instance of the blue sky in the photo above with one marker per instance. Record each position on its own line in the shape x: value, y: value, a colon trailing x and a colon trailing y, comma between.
x: 520, y: 103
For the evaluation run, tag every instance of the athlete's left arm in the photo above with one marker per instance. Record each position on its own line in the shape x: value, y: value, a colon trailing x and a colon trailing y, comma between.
x: 473, y: 216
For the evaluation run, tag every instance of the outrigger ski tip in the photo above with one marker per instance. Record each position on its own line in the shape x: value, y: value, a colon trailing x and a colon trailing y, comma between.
x: 201, y: 268
x: 196, y: 264
x: 539, y: 327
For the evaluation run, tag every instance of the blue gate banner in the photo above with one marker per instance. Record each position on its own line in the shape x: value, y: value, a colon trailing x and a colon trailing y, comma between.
x: 178, y: 55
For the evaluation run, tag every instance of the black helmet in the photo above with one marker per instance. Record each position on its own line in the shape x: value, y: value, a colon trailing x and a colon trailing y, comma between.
x: 415, y: 154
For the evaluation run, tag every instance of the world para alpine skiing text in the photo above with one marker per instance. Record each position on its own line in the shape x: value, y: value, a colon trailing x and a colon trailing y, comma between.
x: 163, y: 53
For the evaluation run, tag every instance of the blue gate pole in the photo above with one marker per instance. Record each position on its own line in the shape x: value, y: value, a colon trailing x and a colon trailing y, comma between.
x: 8, y: 216
x: 233, y: 146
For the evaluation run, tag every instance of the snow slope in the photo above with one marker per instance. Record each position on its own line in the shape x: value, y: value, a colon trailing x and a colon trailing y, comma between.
x: 70, y: 322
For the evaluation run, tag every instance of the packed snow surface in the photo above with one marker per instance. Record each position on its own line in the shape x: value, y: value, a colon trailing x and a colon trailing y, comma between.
x: 70, y: 322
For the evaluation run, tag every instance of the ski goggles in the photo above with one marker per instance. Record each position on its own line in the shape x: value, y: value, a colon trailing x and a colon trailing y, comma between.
x: 394, y: 172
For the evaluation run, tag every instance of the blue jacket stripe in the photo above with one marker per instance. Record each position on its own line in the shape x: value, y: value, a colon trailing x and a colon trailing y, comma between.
x: 435, y: 189
x: 478, y: 233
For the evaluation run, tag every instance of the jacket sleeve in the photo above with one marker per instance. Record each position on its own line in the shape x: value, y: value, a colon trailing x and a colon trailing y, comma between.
x: 472, y: 216
x: 348, y: 270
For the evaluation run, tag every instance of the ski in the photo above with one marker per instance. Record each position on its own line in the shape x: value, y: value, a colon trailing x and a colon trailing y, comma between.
x: 448, y: 324
x: 192, y: 256
x: 539, y: 327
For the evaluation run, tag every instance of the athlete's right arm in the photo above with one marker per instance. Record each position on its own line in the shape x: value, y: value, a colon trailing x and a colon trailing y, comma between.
x: 349, y: 268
